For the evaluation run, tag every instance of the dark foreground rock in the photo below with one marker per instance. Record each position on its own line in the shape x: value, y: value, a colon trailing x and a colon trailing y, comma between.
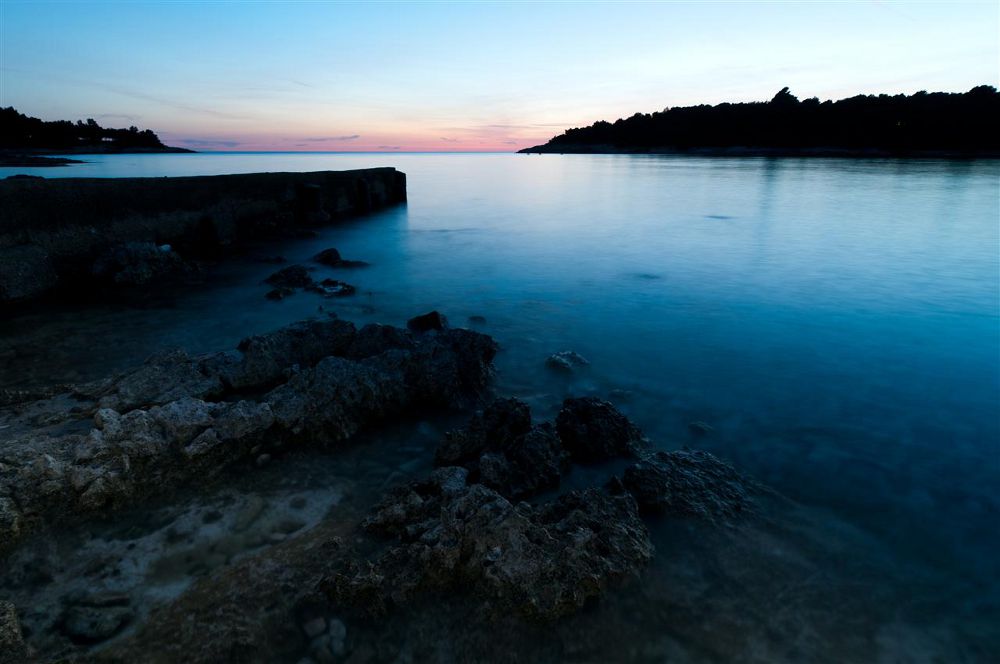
x: 178, y: 418
x: 12, y: 647
x: 594, y: 430
x: 430, y: 322
x: 541, y: 562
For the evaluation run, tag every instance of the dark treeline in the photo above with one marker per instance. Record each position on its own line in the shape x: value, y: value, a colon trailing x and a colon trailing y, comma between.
x: 18, y: 131
x: 924, y: 121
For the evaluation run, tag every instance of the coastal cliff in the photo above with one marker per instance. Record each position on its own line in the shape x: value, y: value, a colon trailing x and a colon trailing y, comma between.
x: 62, y: 233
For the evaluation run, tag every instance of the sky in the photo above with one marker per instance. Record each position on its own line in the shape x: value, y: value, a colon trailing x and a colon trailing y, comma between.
x: 314, y: 75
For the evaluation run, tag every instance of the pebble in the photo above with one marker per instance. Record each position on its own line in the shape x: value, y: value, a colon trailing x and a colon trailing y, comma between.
x: 314, y: 627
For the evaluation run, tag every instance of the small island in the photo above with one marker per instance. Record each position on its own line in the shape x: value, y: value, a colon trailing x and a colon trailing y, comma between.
x: 929, y: 124
x: 28, y: 141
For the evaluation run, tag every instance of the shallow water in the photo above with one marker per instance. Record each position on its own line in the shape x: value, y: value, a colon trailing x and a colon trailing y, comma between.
x: 836, y: 323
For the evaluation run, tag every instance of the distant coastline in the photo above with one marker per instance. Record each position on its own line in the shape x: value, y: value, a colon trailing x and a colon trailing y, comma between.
x: 751, y: 151
x: 31, y: 142
x: 921, y: 125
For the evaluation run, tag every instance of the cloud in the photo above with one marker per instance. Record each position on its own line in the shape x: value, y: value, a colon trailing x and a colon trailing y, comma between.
x: 207, y: 142
x: 450, y: 140
x: 114, y: 117
x: 322, y: 139
x: 388, y: 147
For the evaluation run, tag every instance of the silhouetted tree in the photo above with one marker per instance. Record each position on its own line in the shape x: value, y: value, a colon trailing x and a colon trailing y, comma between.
x: 19, y: 131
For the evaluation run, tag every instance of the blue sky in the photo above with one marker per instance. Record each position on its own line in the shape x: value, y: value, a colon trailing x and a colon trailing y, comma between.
x: 316, y: 75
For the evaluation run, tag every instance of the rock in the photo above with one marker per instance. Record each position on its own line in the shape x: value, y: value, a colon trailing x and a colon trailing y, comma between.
x: 10, y: 520
x: 566, y: 361
x: 332, y: 288
x: 504, y: 451
x: 25, y: 272
x: 594, y: 430
x: 477, y: 320
x: 689, y: 483
x: 432, y: 321
x: 87, y: 624
x: 492, y: 429
x: 314, y: 627
x: 279, y: 293
x: 138, y: 263
x: 332, y: 258
x: 542, y: 562
x: 12, y: 647
x: 293, y: 276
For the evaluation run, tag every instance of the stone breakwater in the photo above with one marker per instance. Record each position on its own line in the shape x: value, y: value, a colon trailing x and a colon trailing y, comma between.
x: 91, y: 449
x: 74, y: 232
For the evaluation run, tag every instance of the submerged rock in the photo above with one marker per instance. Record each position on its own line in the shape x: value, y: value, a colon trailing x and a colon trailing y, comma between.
x: 90, y: 624
x: 332, y: 258
x: 689, y: 483
x: 566, y: 361
x: 332, y: 288
x: 293, y: 276
x: 429, y: 322
x: 594, y: 430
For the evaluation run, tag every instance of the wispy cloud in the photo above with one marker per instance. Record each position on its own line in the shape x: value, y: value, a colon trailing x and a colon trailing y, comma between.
x: 388, y: 147
x: 323, y: 139
x: 207, y: 142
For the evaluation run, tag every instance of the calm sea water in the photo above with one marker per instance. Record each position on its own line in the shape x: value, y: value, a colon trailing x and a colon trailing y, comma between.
x: 836, y: 322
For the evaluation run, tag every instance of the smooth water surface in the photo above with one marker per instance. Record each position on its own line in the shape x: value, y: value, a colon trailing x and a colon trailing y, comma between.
x: 836, y: 322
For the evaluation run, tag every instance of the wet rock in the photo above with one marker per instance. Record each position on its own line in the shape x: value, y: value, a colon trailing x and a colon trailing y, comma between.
x: 477, y: 320
x: 429, y: 322
x: 138, y: 263
x: 10, y: 519
x: 504, y: 451
x: 293, y: 276
x: 566, y: 361
x: 594, y: 430
x: 332, y: 258
x: 88, y: 624
x: 25, y: 272
x: 689, y: 483
x: 12, y: 647
x: 374, y: 338
x: 492, y: 429
x: 332, y: 288
x: 161, y: 379
x: 541, y: 562
x: 279, y: 293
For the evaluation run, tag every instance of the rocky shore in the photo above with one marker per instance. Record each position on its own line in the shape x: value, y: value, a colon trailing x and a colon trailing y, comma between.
x: 464, y: 532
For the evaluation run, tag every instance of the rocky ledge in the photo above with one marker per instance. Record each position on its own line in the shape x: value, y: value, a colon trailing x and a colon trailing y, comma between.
x: 127, y: 231
x: 92, y: 448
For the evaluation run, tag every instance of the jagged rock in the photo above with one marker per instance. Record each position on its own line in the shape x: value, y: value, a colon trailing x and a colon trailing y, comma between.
x: 540, y: 562
x: 161, y: 379
x: 374, y: 338
x: 594, y: 430
x: 332, y: 258
x: 12, y: 647
x: 293, y: 276
x: 89, y: 624
x: 429, y: 322
x: 689, y: 483
x: 492, y: 429
x: 504, y: 451
x: 138, y: 263
x: 566, y: 361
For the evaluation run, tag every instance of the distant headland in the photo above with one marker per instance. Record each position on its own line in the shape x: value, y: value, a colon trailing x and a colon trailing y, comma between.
x: 922, y: 124
x: 25, y: 140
